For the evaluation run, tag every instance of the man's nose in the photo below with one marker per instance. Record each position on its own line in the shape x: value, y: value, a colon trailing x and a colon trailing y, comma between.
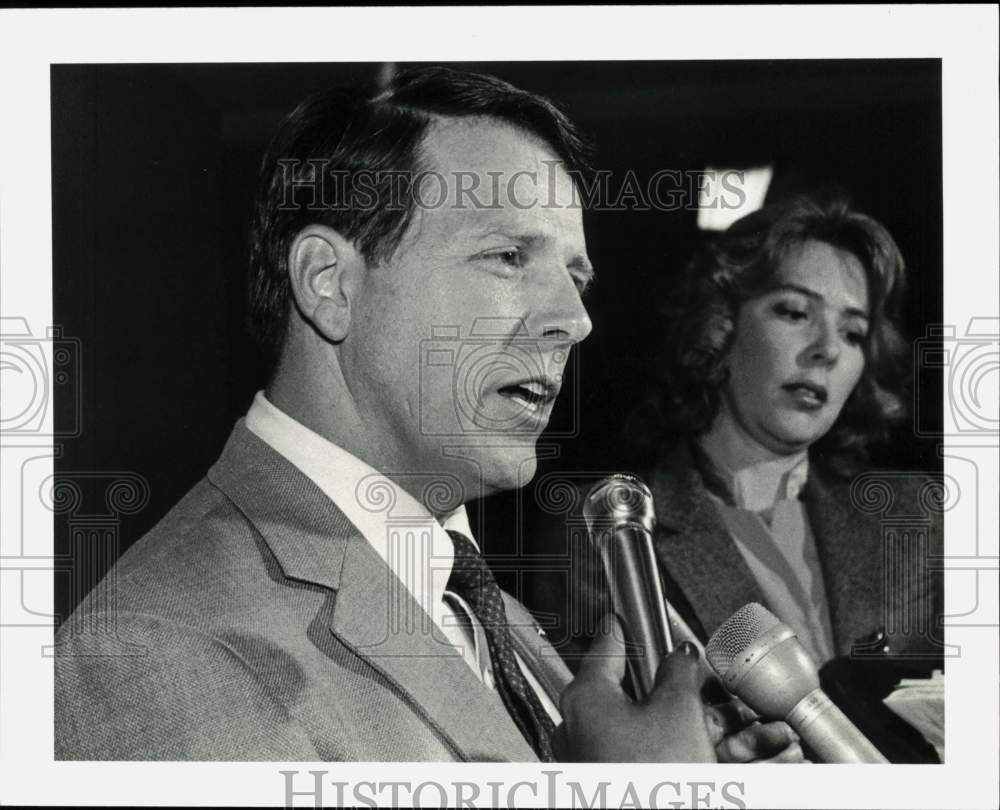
x: 558, y: 312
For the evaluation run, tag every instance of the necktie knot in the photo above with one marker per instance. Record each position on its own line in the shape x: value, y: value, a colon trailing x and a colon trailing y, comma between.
x: 470, y: 577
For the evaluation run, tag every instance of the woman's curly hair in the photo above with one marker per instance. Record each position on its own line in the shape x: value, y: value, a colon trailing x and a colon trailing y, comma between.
x: 740, y: 264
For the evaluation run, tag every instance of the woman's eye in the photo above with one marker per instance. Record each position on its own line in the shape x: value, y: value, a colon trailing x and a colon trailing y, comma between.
x: 855, y: 337
x: 793, y: 313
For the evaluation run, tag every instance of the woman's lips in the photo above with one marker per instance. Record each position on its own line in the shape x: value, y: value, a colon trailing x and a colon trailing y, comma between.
x: 806, y: 395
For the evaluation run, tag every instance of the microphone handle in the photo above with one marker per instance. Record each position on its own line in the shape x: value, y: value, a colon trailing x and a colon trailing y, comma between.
x: 637, y: 595
x: 826, y: 730
x: 681, y: 631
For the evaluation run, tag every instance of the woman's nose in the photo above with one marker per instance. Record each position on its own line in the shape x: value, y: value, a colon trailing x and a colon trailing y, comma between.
x: 825, y: 345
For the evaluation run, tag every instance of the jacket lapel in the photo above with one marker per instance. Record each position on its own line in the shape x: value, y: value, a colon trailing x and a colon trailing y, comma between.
x: 376, y: 616
x: 707, y: 569
x: 848, y: 542
x: 708, y: 579
x: 531, y: 644
x: 373, y: 613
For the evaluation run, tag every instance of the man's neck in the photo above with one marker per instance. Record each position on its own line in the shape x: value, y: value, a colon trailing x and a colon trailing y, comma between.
x: 330, y: 412
x: 322, y: 403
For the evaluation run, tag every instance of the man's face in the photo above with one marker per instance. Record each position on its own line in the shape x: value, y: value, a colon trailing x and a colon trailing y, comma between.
x: 458, y: 343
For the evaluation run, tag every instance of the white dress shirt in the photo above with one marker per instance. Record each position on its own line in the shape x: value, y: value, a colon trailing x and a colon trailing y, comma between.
x: 413, y: 544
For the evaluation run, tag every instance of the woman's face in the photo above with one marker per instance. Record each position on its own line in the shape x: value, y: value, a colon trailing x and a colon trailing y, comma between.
x: 798, y: 350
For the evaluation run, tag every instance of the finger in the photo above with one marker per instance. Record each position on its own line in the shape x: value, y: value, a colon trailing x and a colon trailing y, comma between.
x: 715, y: 724
x: 605, y: 660
x: 791, y: 755
x: 757, y: 741
x: 745, y: 714
x: 679, y: 675
x: 734, y: 714
x: 776, y: 731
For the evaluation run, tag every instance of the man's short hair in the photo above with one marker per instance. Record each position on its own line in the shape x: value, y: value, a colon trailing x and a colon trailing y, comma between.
x: 348, y: 159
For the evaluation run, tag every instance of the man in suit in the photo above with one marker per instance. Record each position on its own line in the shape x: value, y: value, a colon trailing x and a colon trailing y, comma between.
x: 418, y: 265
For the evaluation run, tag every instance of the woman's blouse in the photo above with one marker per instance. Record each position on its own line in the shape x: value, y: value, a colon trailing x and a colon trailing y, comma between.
x: 763, y: 513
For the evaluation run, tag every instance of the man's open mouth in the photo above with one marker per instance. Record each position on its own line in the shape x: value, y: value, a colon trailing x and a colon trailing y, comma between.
x: 534, y: 393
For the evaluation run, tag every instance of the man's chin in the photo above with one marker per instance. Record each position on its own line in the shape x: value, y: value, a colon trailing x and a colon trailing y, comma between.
x: 508, y: 468
x: 488, y: 464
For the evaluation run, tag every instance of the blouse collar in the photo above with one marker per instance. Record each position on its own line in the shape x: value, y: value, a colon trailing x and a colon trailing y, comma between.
x: 756, y: 487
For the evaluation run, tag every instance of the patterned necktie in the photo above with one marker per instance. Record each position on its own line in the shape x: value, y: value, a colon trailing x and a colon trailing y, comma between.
x: 472, y: 579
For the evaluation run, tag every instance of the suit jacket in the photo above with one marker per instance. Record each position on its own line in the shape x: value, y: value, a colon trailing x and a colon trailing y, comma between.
x: 254, y: 622
x: 879, y: 540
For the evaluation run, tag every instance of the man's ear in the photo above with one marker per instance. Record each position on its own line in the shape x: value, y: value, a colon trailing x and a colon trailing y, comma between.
x: 323, y: 269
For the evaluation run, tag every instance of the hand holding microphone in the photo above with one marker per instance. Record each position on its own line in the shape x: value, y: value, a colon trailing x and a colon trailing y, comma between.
x: 667, y: 721
x: 602, y: 724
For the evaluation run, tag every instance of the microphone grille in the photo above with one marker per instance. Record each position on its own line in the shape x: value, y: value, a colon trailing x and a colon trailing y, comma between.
x: 737, y: 633
x: 619, y: 498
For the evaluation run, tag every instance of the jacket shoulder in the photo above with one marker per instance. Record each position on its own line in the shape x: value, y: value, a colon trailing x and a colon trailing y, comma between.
x: 173, y: 693
x: 885, y: 495
x: 199, y: 563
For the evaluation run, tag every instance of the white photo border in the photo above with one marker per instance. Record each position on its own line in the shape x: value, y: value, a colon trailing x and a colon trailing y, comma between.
x: 963, y: 37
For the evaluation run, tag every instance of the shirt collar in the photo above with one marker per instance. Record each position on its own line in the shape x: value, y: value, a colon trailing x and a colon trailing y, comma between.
x: 757, y: 487
x: 411, y: 542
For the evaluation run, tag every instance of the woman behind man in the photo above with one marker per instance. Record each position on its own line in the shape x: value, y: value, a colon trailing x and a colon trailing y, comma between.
x: 783, y: 369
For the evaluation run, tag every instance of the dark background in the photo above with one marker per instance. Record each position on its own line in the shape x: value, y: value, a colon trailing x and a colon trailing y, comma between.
x: 153, y: 168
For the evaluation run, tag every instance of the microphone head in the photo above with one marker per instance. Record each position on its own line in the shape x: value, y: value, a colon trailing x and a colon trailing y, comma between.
x: 619, y: 500
x: 736, y: 634
x: 759, y: 659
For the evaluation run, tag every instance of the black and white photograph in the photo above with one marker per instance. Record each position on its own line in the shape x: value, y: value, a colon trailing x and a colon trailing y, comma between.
x: 600, y: 426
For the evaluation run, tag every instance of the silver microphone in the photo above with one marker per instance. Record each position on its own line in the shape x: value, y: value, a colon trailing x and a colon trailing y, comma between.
x: 761, y: 661
x: 620, y: 521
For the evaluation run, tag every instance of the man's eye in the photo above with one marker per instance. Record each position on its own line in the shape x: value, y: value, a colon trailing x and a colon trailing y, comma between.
x: 511, y: 257
x: 584, y: 284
